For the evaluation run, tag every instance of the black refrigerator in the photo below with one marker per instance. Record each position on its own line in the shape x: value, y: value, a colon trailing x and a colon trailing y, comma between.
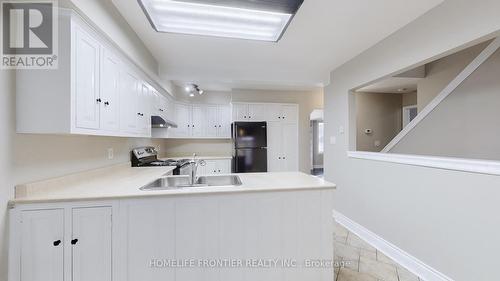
x: 250, y: 147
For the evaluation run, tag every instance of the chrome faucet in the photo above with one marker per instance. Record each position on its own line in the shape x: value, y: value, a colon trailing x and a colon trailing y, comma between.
x: 194, y: 168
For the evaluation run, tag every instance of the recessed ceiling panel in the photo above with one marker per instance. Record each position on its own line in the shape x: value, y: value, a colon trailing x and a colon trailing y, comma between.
x: 253, y: 20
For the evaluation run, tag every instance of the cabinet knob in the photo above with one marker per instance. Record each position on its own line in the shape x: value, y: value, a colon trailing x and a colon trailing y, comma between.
x: 74, y: 241
x: 189, y: 126
x: 244, y: 117
x: 106, y: 103
x: 57, y: 242
x: 284, y: 158
x: 279, y: 158
x: 219, y: 171
x: 220, y: 126
x: 215, y: 126
x: 193, y: 126
x: 161, y: 110
x: 98, y: 100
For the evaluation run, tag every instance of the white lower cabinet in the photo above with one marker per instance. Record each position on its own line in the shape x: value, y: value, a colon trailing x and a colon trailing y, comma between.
x: 215, y: 167
x: 63, y: 243
x: 91, y: 244
x: 42, y: 246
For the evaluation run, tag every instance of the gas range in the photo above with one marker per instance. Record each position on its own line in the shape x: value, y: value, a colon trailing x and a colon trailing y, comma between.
x: 148, y: 157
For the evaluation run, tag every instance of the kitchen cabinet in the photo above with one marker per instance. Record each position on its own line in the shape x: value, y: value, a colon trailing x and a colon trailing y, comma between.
x: 250, y: 112
x: 215, y: 167
x: 129, y: 96
x: 200, y: 121
x: 283, y: 112
x: 87, y: 59
x: 61, y: 242
x: 110, y: 91
x: 218, y: 121
x: 282, y: 146
x: 96, y: 89
x: 91, y: 244
x: 41, y: 245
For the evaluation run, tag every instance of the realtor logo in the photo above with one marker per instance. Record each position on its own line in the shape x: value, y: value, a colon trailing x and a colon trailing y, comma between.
x: 29, y: 33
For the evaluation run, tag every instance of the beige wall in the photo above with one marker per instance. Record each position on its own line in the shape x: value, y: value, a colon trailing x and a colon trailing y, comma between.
x: 440, y: 73
x: 466, y: 123
x: 410, y: 99
x: 382, y: 114
x: 432, y: 214
x: 33, y: 157
x: 307, y: 101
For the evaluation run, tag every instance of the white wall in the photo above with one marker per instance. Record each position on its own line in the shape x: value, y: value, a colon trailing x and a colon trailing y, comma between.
x: 28, y: 158
x: 445, y: 218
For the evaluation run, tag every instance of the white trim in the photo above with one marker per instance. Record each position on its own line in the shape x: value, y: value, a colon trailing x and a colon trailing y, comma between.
x: 480, y: 59
x: 401, y: 257
x: 488, y: 167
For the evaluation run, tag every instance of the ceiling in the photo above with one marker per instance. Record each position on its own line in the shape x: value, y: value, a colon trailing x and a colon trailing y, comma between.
x: 393, y: 85
x: 323, y: 35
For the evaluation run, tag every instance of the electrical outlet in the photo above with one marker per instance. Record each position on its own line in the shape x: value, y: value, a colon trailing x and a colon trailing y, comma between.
x: 111, y: 153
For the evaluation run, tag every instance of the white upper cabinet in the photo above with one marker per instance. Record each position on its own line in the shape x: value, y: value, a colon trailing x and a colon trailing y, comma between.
x: 183, y: 118
x: 87, y: 60
x: 250, y: 112
x: 201, y: 121
x: 129, y: 88
x: 110, y: 91
x: 96, y: 90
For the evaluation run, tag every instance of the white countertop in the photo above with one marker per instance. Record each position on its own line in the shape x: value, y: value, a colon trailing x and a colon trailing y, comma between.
x: 123, y: 181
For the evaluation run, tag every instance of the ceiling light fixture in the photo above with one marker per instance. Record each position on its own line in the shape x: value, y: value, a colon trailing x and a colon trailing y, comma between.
x: 254, y: 20
x: 192, y: 89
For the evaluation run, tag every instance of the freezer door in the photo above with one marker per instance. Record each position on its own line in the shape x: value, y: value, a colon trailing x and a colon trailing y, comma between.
x: 250, y: 160
x: 250, y: 134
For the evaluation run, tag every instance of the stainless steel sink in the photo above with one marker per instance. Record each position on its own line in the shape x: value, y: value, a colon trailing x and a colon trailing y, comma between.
x: 219, y: 180
x: 176, y: 182
x: 171, y: 182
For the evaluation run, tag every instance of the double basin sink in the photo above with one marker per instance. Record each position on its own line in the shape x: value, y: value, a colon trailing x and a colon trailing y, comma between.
x: 176, y: 182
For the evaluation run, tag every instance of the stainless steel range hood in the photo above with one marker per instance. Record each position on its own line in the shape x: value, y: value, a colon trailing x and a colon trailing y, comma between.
x: 160, y: 122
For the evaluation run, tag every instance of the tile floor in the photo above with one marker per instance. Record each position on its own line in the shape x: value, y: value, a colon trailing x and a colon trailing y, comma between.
x: 358, y: 261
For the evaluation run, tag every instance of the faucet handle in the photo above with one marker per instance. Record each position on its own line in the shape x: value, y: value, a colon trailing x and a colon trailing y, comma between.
x: 202, y: 162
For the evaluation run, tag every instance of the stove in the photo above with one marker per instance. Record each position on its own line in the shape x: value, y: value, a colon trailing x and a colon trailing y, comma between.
x: 148, y: 157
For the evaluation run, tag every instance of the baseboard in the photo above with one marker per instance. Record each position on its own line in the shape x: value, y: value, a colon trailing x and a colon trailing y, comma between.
x: 409, y: 262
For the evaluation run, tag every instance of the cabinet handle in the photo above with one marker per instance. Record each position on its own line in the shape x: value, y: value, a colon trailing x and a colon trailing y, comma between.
x: 279, y: 158
x: 161, y: 110
x: 193, y: 126
x: 57, y: 242
x: 219, y: 171
x: 189, y: 126
x: 284, y: 158
x: 106, y: 103
x: 74, y: 241
x: 215, y: 126
x: 98, y: 100
x: 279, y: 117
x: 244, y: 117
x: 220, y: 126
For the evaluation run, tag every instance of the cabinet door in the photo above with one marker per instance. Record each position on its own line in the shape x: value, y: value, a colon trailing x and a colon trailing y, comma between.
x: 182, y: 116
x: 128, y: 102
x: 87, y: 57
x: 240, y: 112
x: 210, y: 167
x: 290, y: 113
x: 224, y: 166
x: 198, y: 121
x: 290, y: 155
x: 257, y: 112
x: 224, y: 117
x: 110, y: 92
x: 144, y: 112
x: 274, y: 146
x: 212, y: 128
x: 42, y: 245
x: 274, y: 112
x: 92, y: 251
